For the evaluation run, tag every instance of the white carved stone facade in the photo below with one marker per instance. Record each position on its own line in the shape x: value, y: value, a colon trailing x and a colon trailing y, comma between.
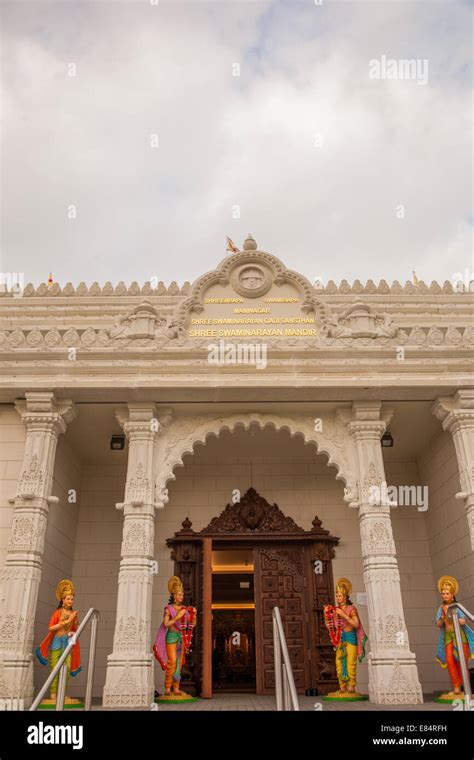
x: 117, y: 359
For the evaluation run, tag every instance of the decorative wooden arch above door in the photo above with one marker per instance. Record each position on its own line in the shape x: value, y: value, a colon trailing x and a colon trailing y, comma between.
x: 292, y: 569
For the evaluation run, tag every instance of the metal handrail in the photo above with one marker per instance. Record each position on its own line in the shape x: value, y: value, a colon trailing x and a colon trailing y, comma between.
x: 285, y: 689
x: 462, y: 662
x: 62, y: 666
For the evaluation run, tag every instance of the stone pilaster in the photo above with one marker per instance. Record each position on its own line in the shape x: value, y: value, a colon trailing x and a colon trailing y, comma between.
x: 393, y: 675
x: 45, y: 419
x: 457, y: 416
x: 129, y: 680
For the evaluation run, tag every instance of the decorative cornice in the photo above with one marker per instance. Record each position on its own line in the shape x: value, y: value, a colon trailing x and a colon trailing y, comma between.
x: 173, y: 289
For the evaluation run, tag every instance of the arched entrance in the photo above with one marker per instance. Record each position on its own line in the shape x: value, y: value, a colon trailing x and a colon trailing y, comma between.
x: 275, y: 562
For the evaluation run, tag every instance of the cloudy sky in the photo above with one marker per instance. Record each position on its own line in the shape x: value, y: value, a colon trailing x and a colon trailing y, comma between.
x: 137, y: 135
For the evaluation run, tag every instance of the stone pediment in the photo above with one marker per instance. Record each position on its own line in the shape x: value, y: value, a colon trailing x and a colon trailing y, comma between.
x: 249, y: 290
x: 253, y: 514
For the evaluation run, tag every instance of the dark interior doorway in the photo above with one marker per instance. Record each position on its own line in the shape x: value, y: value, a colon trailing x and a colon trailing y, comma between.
x: 233, y: 621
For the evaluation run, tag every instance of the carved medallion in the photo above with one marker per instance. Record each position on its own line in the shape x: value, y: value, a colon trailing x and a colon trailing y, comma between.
x: 251, y: 280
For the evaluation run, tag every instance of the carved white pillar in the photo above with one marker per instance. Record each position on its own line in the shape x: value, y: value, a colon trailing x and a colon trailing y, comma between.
x: 129, y: 679
x: 45, y: 419
x: 457, y: 416
x: 393, y: 675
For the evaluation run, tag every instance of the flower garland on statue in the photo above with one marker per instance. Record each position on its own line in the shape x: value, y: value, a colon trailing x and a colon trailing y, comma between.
x: 334, y: 624
x: 186, y: 626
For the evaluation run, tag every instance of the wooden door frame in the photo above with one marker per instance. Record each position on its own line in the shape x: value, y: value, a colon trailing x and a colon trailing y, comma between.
x: 206, y: 687
x: 253, y: 521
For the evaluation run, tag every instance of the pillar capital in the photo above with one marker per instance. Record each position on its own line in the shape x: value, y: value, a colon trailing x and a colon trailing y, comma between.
x: 455, y: 411
x: 366, y: 419
x: 41, y: 410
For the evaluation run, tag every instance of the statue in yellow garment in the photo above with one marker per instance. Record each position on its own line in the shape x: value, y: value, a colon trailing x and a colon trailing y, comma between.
x: 348, y: 639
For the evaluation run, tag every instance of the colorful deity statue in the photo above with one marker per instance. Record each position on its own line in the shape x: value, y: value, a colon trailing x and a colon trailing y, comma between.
x: 348, y: 639
x: 62, y: 625
x: 447, y: 653
x: 174, y: 638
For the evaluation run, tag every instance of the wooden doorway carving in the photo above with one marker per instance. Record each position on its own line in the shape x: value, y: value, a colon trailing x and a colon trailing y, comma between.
x: 292, y: 569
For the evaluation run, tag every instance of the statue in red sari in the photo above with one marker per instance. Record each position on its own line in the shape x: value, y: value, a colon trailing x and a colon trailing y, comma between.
x: 174, y: 638
x: 62, y: 625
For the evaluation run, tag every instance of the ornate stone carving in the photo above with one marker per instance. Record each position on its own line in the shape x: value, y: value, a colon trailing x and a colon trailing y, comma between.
x: 144, y: 321
x: 52, y: 338
x: 360, y: 321
x: 127, y: 688
x: 71, y: 337
x: 389, y: 629
x: 139, y: 487
x: 330, y: 438
x: 31, y: 479
x: 135, y: 539
x: 380, y: 540
x: 130, y: 632
x: 400, y: 688
x: 252, y: 280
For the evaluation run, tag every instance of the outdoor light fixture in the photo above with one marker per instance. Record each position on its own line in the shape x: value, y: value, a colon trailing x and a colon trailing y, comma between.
x: 117, y: 442
x: 387, y: 439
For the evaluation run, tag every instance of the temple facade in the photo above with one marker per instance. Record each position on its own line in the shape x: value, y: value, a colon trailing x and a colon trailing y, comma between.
x: 260, y: 436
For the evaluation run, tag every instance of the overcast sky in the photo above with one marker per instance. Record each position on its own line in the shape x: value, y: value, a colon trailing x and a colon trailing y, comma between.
x: 317, y: 157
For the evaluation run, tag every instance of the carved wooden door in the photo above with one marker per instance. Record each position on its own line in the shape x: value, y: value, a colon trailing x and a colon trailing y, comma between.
x: 280, y: 581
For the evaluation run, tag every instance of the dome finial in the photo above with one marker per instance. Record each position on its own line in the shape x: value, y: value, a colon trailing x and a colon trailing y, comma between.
x: 249, y: 243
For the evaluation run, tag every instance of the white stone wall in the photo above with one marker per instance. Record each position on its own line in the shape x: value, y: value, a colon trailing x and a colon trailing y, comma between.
x: 60, y: 543
x: 416, y: 576
x: 97, y: 559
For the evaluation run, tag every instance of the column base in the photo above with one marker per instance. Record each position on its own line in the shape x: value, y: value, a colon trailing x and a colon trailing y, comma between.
x: 16, y: 682
x: 129, y: 683
x: 393, y: 680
